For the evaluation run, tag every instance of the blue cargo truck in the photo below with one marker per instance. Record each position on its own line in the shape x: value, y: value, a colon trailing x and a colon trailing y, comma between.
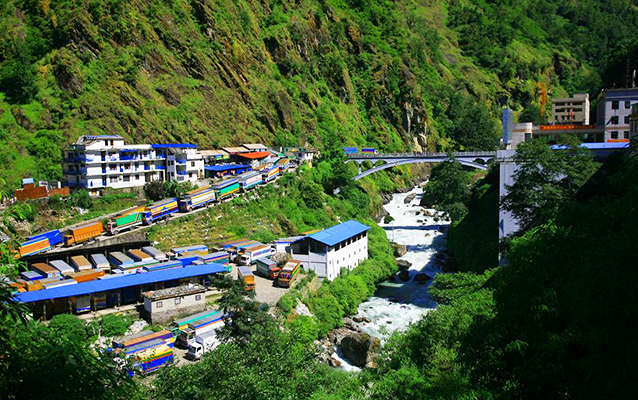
x: 197, y: 198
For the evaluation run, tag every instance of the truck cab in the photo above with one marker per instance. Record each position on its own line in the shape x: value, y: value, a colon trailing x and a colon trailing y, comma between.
x: 195, y: 351
x: 69, y: 240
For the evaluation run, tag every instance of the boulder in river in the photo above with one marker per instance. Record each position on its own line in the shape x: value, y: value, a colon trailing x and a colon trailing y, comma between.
x: 409, y: 199
x: 333, y: 362
x: 360, y: 348
x: 404, y: 275
x: 403, y: 265
x: 399, y: 249
x: 422, y: 278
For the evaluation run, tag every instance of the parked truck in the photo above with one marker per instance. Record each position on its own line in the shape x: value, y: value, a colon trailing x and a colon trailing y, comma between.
x: 246, y: 275
x: 249, y: 255
x: 289, y: 273
x: 40, y: 243
x: 187, y: 335
x: 180, y: 324
x: 267, y: 268
x: 269, y: 173
x: 125, y: 221
x: 226, y: 189
x: 197, y: 198
x: 80, y: 263
x: 83, y: 233
x: 249, y: 180
x: 202, y: 344
x: 160, y: 210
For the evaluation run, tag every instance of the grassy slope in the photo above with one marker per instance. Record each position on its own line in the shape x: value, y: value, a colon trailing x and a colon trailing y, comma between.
x: 217, y: 72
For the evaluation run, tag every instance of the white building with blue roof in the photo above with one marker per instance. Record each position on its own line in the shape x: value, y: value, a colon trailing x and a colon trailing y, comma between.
x: 331, y: 250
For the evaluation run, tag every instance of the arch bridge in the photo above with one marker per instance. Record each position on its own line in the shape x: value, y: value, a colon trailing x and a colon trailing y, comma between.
x: 478, y: 160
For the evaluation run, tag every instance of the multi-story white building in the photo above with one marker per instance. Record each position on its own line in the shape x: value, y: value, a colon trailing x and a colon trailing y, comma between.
x: 97, y: 162
x: 329, y: 251
x: 614, y: 109
x: 633, y: 121
x: 571, y: 110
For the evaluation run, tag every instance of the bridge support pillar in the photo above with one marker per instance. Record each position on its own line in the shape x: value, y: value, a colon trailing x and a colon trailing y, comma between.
x: 359, y: 168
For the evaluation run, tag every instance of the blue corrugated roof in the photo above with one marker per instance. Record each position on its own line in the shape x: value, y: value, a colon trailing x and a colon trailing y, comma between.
x: 221, y: 168
x: 339, y: 233
x: 97, y: 286
x: 174, y: 146
x: 597, y: 146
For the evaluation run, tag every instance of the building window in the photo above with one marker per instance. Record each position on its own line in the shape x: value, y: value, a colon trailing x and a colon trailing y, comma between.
x: 158, y: 304
x: 614, y: 134
x: 137, y: 177
x: 626, y: 119
x: 198, y: 297
x: 178, y: 300
x: 127, y: 179
x: 627, y: 104
x: 614, y: 120
x: 192, y: 163
x: 625, y: 134
x: 614, y: 105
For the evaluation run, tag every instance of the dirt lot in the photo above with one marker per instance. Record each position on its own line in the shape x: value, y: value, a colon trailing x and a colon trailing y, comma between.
x: 266, y: 291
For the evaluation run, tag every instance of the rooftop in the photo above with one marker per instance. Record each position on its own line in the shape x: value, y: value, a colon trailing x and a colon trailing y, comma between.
x: 339, y: 233
x: 254, y: 146
x: 174, y: 146
x: 235, y: 150
x: 120, y: 282
x: 222, y: 168
x: 255, y: 155
x: 178, y: 291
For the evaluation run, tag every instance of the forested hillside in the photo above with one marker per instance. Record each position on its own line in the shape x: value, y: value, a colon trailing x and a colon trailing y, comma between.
x: 392, y: 74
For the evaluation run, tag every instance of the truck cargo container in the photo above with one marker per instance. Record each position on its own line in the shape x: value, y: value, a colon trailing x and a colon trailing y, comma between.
x: 267, y: 268
x: 369, y: 150
x: 350, y: 150
x: 118, y: 259
x: 245, y: 274
x: 289, y: 273
x: 182, y: 323
x: 40, y: 243
x: 160, y: 210
x: 46, y: 270
x: 156, y: 254
x: 66, y: 282
x: 31, y: 275
x: 197, y: 198
x: 283, y: 164
x: 219, y: 257
x: 187, y: 335
x: 139, y: 341
x: 120, y: 342
x: 99, y: 300
x: 139, y: 255
x: 202, y: 344
x: 86, y: 275
x: 151, y: 359
x: 80, y: 263
x: 269, y: 173
x: 38, y: 285
x: 54, y: 236
x: 249, y: 180
x: 226, y: 189
x: 125, y: 221
x: 249, y: 255
x: 81, y: 304
x: 100, y: 261
x: 162, y: 265
x: 228, y: 244
x: 83, y: 233
x: 61, y: 266
x: 199, y: 249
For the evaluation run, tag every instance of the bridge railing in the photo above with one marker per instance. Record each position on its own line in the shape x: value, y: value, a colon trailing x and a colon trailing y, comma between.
x: 424, y: 155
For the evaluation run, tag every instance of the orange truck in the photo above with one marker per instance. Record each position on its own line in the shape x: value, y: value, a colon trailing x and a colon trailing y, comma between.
x: 245, y: 275
x: 83, y: 233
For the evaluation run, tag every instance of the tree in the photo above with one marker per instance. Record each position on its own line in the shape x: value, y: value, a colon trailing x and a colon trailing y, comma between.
x: 17, y: 79
x: 69, y: 326
x: 448, y: 189
x: 155, y: 190
x: 545, y: 179
x: 471, y: 126
x: 311, y: 194
x: 82, y: 199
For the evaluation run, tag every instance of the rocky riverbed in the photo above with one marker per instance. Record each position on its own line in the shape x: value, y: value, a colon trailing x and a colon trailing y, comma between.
x: 402, y: 299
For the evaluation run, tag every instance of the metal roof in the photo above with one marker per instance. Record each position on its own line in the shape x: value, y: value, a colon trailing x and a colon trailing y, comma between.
x: 174, y: 146
x: 254, y: 146
x: 255, y: 155
x: 221, y: 168
x: 97, y: 286
x: 339, y: 233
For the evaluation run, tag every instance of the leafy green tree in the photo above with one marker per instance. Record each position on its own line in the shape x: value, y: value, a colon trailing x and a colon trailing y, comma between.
x: 114, y: 325
x: 545, y: 179
x: 448, y: 189
x: 155, y: 190
x: 45, y: 148
x: 17, y: 79
x: 470, y: 124
x: 69, y: 326
x: 311, y: 194
x: 81, y: 198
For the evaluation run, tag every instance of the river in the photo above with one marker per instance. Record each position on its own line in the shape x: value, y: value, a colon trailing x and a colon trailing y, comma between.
x: 398, y: 304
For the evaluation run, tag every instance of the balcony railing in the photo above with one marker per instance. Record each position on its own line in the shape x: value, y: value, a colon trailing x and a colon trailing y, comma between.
x: 182, y: 173
x: 160, y: 167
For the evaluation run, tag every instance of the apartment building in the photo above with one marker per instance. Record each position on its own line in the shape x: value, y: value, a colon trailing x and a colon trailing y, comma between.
x: 331, y: 250
x: 633, y: 121
x: 571, y: 110
x: 614, y: 109
x: 96, y: 162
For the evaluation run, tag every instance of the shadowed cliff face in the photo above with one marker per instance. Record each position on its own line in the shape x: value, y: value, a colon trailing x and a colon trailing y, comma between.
x: 218, y: 72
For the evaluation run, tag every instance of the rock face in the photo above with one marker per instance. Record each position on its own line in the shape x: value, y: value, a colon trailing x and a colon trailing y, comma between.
x: 421, y: 278
x: 360, y: 348
x: 409, y: 199
x: 403, y: 265
x: 399, y: 249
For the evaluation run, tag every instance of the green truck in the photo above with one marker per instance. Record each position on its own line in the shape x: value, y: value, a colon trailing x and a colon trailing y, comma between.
x: 226, y: 189
x: 125, y: 221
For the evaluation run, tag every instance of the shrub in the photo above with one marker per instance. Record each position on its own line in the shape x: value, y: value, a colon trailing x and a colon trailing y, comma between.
x: 22, y: 212
x: 81, y: 198
x: 68, y: 326
x: 114, y: 324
